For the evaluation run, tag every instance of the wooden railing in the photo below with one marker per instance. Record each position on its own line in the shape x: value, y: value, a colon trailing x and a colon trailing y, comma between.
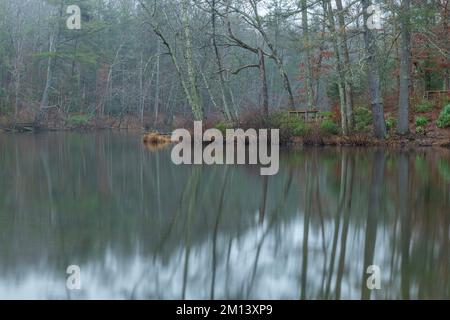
x: 307, y: 115
x: 439, y: 96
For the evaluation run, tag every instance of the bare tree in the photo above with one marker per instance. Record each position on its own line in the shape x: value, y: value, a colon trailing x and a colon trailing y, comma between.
x: 373, y: 74
x: 405, y: 67
x: 307, y: 52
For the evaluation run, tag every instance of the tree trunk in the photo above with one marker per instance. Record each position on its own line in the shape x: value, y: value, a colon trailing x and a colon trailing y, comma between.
x: 346, y: 63
x: 373, y: 76
x: 286, y: 82
x: 445, y: 27
x: 54, y: 38
x: 306, y: 45
x: 141, y: 91
x: 157, y: 89
x: 48, y: 82
x: 405, y: 67
x: 341, y: 77
x: 196, y: 101
x: 17, y: 77
x: 262, y: 74
x: 226, y: 108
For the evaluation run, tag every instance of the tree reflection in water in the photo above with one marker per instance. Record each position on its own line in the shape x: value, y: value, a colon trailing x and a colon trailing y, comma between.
x: 141, y: 227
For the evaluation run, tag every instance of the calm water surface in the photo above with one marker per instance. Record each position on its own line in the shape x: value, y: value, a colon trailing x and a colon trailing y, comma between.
x: 140, y: 227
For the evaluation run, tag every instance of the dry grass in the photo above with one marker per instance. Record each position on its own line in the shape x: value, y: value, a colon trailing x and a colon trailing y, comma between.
x: 156, y: 139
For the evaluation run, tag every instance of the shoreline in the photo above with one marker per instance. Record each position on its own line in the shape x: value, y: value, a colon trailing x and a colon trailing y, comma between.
x: 355, y: 140
x: 368, y: 141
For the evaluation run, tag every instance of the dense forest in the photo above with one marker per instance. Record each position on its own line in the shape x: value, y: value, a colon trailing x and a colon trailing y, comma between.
x: 161, y: 64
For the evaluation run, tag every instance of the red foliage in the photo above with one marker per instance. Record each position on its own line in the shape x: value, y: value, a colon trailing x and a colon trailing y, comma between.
x: 429, y: 49
x: 320, y: 65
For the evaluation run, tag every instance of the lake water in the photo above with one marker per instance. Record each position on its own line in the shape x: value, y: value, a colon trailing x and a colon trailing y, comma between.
x: 140, y: 227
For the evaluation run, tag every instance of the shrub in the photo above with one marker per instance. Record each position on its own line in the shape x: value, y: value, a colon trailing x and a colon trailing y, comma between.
x: 363, y: 118
x: 446, y: 100
x: 444, y: 118
x: 391, y: 123
x: 420, y: 130
x: 326, y: 115
x: 78, y: 119
x: 421, y: 121
x: 288, y: 125
x: 301, y: 129
x: 329, y: 126
x: 277, y: 118
x: 424, y: 106
x: 222, y: 126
